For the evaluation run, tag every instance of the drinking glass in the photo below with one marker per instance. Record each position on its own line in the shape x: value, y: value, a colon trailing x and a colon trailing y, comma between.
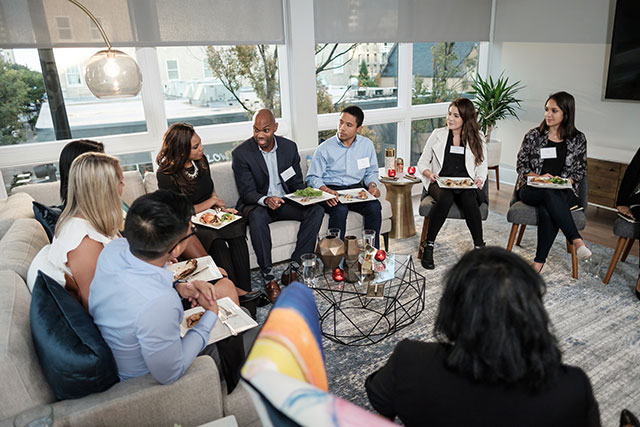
x: 333, y: 232
x: 309, y: 268
x: 368, y: 237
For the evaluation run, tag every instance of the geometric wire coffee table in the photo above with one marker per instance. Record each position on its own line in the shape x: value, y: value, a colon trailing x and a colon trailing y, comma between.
x: 349, y: 317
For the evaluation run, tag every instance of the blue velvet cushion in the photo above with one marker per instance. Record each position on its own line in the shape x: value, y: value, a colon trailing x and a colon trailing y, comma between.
x: 75, y: 359
x: 47, y: 216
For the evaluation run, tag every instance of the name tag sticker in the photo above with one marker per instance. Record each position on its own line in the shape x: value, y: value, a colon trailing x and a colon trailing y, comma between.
x: 288, y: 174
x: 457, y: 149
x: 548, y: 153
x: 363, y: 163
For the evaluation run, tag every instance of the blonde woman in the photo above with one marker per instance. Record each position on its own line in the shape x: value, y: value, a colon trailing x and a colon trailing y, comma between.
x: 90, y: 220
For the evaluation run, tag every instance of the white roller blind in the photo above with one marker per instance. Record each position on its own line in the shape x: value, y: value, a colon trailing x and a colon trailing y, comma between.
x: 401, y: 20
x: 552, y: 21
x: 58, y: 23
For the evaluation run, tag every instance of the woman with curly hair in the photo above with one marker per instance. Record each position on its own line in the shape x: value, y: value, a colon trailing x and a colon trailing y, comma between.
x: 495, y: 362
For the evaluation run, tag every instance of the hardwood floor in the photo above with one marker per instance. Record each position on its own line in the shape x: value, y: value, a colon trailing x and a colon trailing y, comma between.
x: 600, y: 221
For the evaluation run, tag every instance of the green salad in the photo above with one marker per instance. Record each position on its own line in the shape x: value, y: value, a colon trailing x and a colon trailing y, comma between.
x: 308, y: 192
x: 227, y: 217
x: 558, y: 180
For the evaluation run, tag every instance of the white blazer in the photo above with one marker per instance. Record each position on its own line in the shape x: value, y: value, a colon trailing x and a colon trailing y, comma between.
x: 432, y: 157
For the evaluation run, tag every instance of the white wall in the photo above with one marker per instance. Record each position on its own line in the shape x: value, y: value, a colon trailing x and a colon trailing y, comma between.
x: 552, y: 46
x: 612, y: 128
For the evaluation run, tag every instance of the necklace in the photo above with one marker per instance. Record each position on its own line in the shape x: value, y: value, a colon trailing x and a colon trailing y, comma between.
x: 194, y: 174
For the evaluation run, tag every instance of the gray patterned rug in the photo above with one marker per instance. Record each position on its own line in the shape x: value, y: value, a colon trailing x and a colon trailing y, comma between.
x: 597, y: 325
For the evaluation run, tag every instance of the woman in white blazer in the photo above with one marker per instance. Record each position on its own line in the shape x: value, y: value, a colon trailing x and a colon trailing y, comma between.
x: 457, y: 150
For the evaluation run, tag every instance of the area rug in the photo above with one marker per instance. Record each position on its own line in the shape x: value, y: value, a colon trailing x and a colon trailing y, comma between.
x: 597, y: 325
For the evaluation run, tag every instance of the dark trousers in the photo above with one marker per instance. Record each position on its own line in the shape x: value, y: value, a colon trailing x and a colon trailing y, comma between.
x: 467, y: 201
x: 233, y: 256
x: 260, y: 217
x: 553, y: 213
x: 371, y: 213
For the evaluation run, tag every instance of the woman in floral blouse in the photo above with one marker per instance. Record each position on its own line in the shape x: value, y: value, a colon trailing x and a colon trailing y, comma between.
x: 554, y: 149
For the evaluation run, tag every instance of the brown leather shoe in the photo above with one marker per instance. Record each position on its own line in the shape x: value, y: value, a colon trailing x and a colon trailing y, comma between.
x: 273, y: 290
x: 289, y: 277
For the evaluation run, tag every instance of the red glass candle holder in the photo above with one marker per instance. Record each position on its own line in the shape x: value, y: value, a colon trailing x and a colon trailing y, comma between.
x: 411, y: 170
x: 381, y: 255
x: 391, y: 173
x: 338, y: 274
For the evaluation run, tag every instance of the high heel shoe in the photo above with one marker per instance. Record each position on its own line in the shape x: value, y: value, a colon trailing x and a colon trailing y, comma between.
x: 427, y: 257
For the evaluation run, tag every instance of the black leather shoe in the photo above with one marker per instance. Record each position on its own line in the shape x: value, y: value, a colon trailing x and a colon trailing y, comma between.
x: 627, y: 419
x: 637, y: 292
x: 427, y: 258
x: 249, y: 296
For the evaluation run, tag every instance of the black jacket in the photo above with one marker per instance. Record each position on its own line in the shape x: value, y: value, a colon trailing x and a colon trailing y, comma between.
x: 630, y: 181
x: 252, y: 176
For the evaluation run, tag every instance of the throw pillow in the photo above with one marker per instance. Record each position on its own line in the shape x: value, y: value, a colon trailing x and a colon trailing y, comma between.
x: 48, y: 217
x: 74, y: 357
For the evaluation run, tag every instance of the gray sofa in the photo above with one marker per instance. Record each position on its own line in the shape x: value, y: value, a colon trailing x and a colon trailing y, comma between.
x: 195, y: 399
x: 283, y: 233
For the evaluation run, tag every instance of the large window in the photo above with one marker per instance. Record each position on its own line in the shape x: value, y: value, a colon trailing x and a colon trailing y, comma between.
x: 420, y: 132
x: 442, y: 71
x: 356, y: 73
x: 382, y: 135
x: 219, y: 84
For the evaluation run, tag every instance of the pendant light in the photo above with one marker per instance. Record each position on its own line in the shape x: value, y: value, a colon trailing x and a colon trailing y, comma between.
x: 111, y: 73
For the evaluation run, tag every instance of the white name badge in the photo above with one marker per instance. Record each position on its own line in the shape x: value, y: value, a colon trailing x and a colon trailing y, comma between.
x: 363, y: 163
x: 548, y: 153
x: 286, y: 175
x: 457, y: 149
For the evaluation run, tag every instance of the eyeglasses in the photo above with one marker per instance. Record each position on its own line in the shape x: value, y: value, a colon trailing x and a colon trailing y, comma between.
x: 192, y: 233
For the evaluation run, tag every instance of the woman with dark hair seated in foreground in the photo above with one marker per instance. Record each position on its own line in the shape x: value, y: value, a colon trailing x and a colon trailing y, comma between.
x: 495, y: 363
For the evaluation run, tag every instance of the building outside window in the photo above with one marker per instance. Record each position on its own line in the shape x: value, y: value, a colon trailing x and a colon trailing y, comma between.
x: 72, y: 73
x: 173, y: 72
x: 63, y: 25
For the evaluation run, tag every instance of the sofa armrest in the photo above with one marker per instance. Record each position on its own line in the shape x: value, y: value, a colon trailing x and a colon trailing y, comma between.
x: 194, y: 399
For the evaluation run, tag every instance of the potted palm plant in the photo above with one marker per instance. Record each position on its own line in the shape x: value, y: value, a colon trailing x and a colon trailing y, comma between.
x: 495, y: 100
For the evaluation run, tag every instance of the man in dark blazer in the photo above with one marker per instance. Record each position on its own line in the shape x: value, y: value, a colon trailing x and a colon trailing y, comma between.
x: 266, y: 168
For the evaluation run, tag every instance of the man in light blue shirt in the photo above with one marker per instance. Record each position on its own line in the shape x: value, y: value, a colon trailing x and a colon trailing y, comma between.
x: 348, y: 160
x: 132, y: 299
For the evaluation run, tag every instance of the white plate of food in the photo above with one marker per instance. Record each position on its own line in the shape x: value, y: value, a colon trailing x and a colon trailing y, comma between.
x: 203, y: 268
x: 230, y: 317
x: 355, y: 195
x: 548, y: 182
x: 214, y: 219
x: 456, y: 183
x: 309, y: 196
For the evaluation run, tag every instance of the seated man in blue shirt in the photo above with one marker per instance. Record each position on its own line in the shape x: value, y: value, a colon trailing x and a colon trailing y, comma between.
x: 348, y: 160
x: 132, y: 299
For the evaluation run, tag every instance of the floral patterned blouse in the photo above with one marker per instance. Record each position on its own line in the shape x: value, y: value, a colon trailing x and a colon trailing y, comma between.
x: 529, y: 159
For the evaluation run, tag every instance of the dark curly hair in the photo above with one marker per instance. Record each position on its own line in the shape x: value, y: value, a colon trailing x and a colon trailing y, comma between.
x: 493, y: 322
x: 176, y: 147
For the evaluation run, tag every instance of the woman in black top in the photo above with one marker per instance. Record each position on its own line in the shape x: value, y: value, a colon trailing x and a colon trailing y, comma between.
x: 455, y: 151
x: 495, y: 363
x: 183, y: 168
x: 628, y: 202
x: 554, y: 149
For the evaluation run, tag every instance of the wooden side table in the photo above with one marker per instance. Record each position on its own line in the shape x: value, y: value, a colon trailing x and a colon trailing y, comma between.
x: 399, y: 195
